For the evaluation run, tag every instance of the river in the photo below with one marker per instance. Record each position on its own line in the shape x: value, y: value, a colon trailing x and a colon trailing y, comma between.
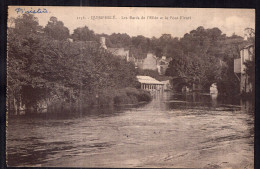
x: 173, y: 130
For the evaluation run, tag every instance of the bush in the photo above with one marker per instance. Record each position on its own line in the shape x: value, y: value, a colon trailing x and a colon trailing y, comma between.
x: 130, y: 96
x: 144, y: 96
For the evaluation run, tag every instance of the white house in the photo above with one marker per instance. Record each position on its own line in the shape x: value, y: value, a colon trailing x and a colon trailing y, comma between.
x: 246, y: 54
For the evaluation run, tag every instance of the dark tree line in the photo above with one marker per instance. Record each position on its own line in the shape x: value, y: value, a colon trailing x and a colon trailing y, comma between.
x: 44, y: 65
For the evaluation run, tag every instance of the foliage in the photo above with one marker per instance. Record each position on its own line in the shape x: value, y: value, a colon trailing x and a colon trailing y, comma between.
x: 43, y: 68
x: 84, y: 34
x: 56, y: 29
x: 26, y: 25
x: 207, y: 55
x: 119, y: 40
x: 131, y: 96
x: 204, y: 55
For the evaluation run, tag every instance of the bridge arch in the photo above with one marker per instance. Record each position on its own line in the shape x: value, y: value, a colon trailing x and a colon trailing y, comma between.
x: 179, y: 84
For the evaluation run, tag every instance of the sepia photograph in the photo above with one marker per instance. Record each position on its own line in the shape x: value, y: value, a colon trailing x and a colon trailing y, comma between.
x: 131, y: 87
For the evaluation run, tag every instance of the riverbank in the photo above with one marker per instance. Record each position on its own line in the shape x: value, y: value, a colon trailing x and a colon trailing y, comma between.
x: 105, y: 98
x: 122, y: 96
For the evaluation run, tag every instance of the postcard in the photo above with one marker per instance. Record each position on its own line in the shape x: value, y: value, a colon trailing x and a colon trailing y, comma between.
x: 135, y: 87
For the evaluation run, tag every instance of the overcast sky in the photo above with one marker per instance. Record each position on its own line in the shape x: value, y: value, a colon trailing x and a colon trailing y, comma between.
x: 229, y: 21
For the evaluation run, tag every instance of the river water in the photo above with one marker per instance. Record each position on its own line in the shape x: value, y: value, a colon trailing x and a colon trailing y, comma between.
x: 173, y: 130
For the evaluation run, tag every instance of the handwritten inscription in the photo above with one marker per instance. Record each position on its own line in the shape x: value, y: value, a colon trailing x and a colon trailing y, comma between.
x: 31, y: 11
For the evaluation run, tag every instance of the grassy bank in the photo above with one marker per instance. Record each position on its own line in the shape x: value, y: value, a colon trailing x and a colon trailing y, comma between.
x: 123, y: 96
x: 104, y: 98
x: 111, y: 97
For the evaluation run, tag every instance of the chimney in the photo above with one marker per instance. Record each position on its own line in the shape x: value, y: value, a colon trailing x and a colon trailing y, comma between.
x: 103, y: 42
x: 246, y: 36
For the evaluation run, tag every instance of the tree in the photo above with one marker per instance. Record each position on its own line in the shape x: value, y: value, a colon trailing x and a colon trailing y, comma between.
x: 42, y: 69
x: 56, y: 29
x: 250, y: 32
x: 23, y: 40
x: 204, y: 54
x: 140, y: 46
x: 141, y: 42
x: 120, y: 40
x: 84, y: 34
x: 26, y: 24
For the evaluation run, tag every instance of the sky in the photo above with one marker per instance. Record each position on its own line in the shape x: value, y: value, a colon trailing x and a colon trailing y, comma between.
x: 151, y: 22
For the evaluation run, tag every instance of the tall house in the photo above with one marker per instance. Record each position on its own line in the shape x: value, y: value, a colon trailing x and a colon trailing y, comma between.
x: 150, y: 62
x: 246, y: 54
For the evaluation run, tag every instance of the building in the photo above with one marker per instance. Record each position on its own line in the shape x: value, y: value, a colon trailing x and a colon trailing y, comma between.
x: 150, y: 62
x: 163, y: 64
x: 121, y: 53
x: 83, y: 44
x: 246, y: 54
x: 150, y: 84
x: 138, y: 62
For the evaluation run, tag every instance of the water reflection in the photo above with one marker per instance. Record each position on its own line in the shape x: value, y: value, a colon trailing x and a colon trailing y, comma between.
x: 174, y: 130
x: 210, y: 101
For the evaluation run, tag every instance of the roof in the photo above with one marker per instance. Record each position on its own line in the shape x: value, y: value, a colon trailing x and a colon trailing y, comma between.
x: 247, y: 46
x: 148, y: 80
x: 151, y: 54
